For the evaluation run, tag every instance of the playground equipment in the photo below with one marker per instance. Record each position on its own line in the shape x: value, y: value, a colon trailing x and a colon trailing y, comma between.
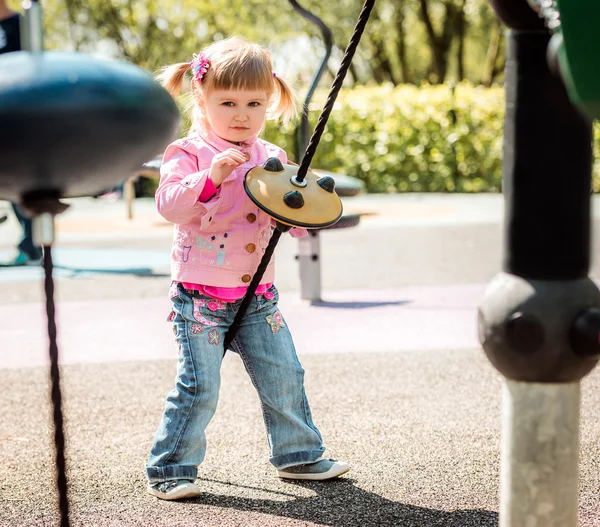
x: 71, y: 125
x: 299, y: 185
x: 572, y: 48
x: 309, y: 247
x: 539, y: 321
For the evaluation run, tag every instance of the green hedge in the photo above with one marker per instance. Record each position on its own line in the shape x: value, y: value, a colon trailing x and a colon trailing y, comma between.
x: 412, y: 139
x: 409, y: 139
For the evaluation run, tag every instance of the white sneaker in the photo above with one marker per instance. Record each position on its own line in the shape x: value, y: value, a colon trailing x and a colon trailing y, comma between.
x: 318, y: 471
x: 174, y: 489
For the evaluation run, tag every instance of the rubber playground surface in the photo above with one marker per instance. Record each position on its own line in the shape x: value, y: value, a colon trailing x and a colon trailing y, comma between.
x: 394, y: 374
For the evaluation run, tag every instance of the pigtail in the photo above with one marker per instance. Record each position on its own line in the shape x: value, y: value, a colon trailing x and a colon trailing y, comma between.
x: 171, y: 77
x: 285, y: 104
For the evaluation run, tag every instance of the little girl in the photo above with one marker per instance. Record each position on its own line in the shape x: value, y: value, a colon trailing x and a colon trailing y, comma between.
x: 219, y: 238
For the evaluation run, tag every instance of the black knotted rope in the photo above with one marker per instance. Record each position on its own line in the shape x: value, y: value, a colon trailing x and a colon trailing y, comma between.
x: 59, y: 437
x: 252, y: 288
x: 304, y: 165
x: 363, y: 18
x: 301, y: 139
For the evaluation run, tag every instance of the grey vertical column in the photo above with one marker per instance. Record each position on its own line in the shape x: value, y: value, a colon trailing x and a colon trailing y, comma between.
x: 539, y: 319
x: 32, y: 40
x: 309, y: 256
x: 309, y: 247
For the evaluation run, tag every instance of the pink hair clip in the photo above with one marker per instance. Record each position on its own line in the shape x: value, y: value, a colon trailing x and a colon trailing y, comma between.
x: 200, y: 64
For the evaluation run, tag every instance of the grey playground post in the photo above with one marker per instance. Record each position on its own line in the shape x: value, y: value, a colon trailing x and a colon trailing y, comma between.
x: 539, y: 320
x: 71, y: 125
x: 309, y: 247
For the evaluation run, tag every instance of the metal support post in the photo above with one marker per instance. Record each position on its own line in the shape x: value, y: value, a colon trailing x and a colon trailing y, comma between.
x: 539, y: 320
x: 32, y: 31
x: 309, y: 257
x: 539, y: 454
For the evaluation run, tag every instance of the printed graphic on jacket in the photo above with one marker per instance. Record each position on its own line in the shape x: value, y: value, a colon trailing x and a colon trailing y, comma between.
x: 214, y: 245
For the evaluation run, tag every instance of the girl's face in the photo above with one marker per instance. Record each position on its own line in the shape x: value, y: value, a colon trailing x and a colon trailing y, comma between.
x: 236, y: 115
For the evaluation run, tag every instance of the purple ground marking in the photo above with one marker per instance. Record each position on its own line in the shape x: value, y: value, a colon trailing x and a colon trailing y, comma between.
x: 407, y: 319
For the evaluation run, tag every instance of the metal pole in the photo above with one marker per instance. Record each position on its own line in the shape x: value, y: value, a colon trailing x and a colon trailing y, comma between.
x: 309, y: 257
x: 32, y: 31
x: 309, y: 247
x: 539, y: 455
x: 539, y: 320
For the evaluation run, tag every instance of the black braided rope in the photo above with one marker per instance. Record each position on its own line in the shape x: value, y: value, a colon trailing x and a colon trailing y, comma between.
x: 335, y: 89
x: 59, y: 437
x: 252, y: 289
x: 310, y: 152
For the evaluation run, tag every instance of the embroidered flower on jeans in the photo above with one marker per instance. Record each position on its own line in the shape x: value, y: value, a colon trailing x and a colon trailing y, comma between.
x: 275, y: 321
x: 213, y: 337
x: 196, y: 329
x: 200, y: 303
x: 171, y: 316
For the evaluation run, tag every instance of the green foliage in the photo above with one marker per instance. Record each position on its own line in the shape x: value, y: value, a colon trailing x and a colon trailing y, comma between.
x: 153, y: 33
x: 409, y: 139
x: 395, y: 48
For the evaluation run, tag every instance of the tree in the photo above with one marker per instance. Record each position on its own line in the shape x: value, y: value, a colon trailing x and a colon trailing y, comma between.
x: 440, y: 40
x: 407, y: 41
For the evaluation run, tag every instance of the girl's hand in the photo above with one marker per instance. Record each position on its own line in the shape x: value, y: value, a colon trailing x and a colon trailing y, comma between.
x: 224, y: 164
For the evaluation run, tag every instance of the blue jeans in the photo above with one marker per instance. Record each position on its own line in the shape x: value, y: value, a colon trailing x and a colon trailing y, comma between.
x: 265, y: 346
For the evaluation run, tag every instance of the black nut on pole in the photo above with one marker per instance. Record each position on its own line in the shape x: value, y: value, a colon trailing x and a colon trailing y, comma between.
x: 534, y: 330
x: 524, y: 332
x: 585, y: 334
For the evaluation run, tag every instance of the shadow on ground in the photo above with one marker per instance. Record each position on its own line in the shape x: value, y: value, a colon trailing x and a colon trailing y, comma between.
x: 358, y: 305
x: 340, y: 503
x: 139, y: 272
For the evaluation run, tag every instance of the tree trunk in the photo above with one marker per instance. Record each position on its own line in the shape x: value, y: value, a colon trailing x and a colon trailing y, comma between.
x: 401, y: 48
x: 354, y: 74
x: 384, y: 65
x: 461, y: 30
x: 492, y: 56
x: 440, y: 44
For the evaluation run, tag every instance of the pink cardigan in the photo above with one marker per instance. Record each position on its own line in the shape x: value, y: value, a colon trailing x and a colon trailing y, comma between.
x: 219, y: 242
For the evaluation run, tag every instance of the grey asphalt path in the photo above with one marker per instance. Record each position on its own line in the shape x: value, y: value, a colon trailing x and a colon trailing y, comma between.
x: 421, y: 431
x: 420, y: 428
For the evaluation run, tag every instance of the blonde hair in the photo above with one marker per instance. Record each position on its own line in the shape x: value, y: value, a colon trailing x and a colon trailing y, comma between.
x: 234, y: 65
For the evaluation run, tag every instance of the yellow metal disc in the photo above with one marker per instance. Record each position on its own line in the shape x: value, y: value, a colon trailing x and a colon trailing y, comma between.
x: 313, y: 206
